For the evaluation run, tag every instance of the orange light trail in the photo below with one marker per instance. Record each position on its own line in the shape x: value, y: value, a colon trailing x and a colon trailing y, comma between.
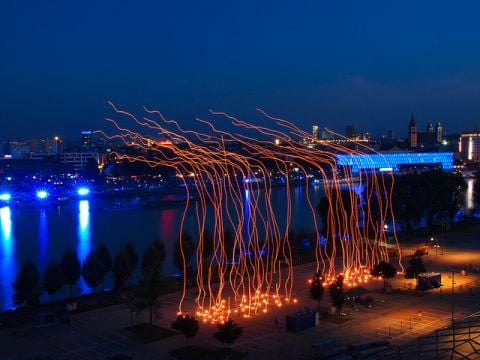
x: 232, y: 277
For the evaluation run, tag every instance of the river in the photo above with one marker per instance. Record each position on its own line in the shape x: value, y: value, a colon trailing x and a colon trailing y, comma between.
x: 42, y: 233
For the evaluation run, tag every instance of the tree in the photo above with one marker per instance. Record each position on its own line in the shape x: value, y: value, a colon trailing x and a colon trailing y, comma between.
x: 415, y: 266
x: 151, y: 283
x: 208, y: 244
x: 336, y: 209
x: 385, y: 271
x: 93, y: 270
x: 229, y: 244
x: 187, y: 325
x: 122, y: 269
x: 104, y: 255
x: 133, y: 255
x: 228, y: 332
x: 91, y: 169
x: 27, y: 285
x: 431, y: 197
x: 153, y: 257
x: 70, y: 265
x: 53, y: 278
x: 188, y: 248
x: 135, y: 304
x: 316, y: 288
x: 336, y: 293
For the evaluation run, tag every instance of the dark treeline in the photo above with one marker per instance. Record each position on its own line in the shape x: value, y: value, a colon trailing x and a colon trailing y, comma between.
x: 417, y: 201
x: 141, y: 293
x: 29, y: 284
x: 426, y: 199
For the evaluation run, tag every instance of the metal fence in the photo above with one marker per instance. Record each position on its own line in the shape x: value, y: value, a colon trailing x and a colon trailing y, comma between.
x: 459, y: 341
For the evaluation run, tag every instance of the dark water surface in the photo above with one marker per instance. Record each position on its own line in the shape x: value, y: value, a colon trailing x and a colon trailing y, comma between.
x: 42, y: 233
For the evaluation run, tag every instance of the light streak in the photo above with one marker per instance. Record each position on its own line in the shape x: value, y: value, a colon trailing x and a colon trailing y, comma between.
x: 245, y: 262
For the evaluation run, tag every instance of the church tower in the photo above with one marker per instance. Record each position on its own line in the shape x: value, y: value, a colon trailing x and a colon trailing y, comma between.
x: 412, y: 133
x: 439, y: 132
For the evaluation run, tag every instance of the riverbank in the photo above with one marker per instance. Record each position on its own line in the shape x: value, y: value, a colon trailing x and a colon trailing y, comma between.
x: 101, y: 333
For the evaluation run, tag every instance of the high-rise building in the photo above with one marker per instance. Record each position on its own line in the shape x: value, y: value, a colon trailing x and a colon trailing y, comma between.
x: 315, y: 132
x: 439, y: 132
x: 412, y: 132
x: 86, y: 139
x: 469, y: 146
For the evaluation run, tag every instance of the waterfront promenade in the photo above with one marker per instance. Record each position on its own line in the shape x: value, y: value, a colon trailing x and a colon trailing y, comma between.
x: 399, y: 317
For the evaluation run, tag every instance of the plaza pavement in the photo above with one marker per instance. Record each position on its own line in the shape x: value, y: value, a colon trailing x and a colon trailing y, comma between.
x: 99, y: 334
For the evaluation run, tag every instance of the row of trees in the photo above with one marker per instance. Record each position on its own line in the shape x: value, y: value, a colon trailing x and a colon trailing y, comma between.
x: 29, y: 284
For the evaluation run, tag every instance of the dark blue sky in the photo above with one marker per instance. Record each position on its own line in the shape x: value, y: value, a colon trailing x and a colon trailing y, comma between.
x: 332, y: 63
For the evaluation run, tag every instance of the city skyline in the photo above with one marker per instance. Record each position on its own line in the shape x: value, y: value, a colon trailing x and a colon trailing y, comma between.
x: 332, y: 65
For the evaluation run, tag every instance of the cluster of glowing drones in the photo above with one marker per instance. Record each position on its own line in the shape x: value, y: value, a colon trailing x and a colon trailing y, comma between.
x: 255, y: 272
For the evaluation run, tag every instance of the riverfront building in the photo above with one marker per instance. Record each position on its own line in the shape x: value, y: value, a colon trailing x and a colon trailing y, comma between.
x: 469, y: 146
x: 397, y: 162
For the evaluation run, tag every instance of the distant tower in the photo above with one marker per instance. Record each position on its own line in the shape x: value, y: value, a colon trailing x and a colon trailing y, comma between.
x: 86, y: 139
x: 315, y: 132
x: 412, y: 132
x: 430, y: 129
x: 439, y: 131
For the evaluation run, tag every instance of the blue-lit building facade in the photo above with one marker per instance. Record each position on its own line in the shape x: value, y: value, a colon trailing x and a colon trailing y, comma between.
x: 396, y: 162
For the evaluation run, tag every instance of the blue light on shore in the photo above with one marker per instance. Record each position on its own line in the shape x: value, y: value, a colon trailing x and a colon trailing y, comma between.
x: 83, y: 191
x: 42, y: 194
x: 5, y: 197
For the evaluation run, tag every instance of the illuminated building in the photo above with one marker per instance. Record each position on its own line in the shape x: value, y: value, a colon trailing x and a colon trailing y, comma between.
x: 315, y: 132
x: 86, y: 139
x: 396, y: 162
x: 74, y: 160
x: 469, y: 146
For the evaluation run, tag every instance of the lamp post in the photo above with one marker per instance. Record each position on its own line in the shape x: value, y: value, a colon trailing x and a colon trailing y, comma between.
x: 453, y: 297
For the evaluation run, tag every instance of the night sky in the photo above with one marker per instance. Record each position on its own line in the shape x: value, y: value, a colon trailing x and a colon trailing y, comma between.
x: 327, y: 62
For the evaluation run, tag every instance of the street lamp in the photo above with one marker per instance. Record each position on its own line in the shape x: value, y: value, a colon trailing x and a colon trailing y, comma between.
x: 453, y: 298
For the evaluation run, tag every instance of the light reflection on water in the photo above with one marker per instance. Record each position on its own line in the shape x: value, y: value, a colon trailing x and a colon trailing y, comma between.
x: 8, y: 265
x: 469, y: 195
x: 43, y: 239
x: 84, y: 237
